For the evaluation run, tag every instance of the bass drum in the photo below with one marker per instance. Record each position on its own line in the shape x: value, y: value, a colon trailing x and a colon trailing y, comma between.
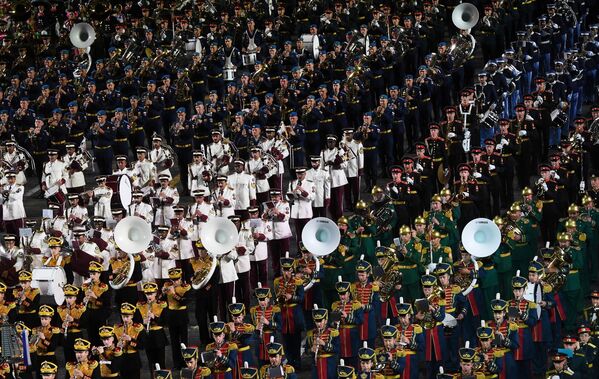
x: 311, y: 44
x: 50, y: 281
x: 121, y: 190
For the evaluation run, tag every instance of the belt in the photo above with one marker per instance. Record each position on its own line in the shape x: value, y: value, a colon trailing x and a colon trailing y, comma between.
x: 437, y: 159
x: 183, y: 146
x: 412, y: 108
x: 413, y: 192
x: 559, y: 187
x: 573, y: 271
x: 340, y: 114
x: 503, y: 255
x: 77, y: 134
x: 183, y: 308
x: 297, y: 148
x: 426, y: 100
x: 348, y: 326
x: 407, y: 267
x: 216, y: 76
x: 120, y: 140
x: 59, y: 142
x: 386, y: 131
x: 388, y: 68
x: 327, y: 120
x: 137, y: 129
x: 74, y: 330
x: 377, y: 76
x: 365, y: 235
x: 90, y: 114
x: 547, y: 201
x: 369, y: 148
x: 506, y: 155
x: 198, y: 82
x: 50, y: 353
x: 154, y: 118
x: 312, y: 131
x: 169, y: 108
x: 397, y: 202
x: 103, y: 147
x: 329, y: 267
x: 467, y: 201
x: 245, y: 348
x: 115, y: 375
x: 424, y: 177
x: 354, y: 102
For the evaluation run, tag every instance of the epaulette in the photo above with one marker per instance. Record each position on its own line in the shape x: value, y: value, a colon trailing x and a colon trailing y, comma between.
x: 103, y: 285
x: 582, y: 237
x: 455, y: 289
x: 513, y: 326
x: 10, y: 304
x: 55, y: 330
x: 289, y: 369
x: 532, y: 305
x: 441, y: 302
x: 418, y: 246
x: 93, y: 364
x: 417, y: 329
x: 447, y: 249
x: 138, y: 327
x: 276, y: 308
x: 375, y: 287
x: 590, y: 344
x: 186, y: 286
x: 525, y: 221
x: 547, y: 288
x: 205, y: 371
x: 70, y: 365
x: 498, y: 353
x: 334, y: 333
x: 232, y: 346
x: 299, y: 282
x: 356, y: 305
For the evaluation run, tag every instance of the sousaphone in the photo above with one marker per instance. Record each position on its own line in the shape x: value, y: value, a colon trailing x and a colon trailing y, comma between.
x: 132, y: 235
x: 320, y: 237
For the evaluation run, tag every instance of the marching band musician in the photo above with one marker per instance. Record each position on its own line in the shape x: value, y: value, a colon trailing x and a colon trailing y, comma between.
x: 11, y: 259
x: 424, y: 166
x: 259, y: 258
x: 27, y: 299
x: 224, y: 365
x: 109, y: 356
x: 388, y: 356
x: 466, y: 189
x: 435, y: 251
x: 25, y: 372
x: 76, y: 213
x: 219, y: 153
x: 366, y: 292
x: 344, y: 372
x: 8, y: 309
x: 37, y: 244
x: 224, y: 198
x: 266, y: 319
x: 492, y: 356
x: 541, y: 331
x: 354, y: 168
x: 469, y: 364
x: 85, y: 249
x: 53, y: 179
x: 278, y: 232
x: 277, y: 368
x: 305, y: 269
x: 84, y: 366
x: 456, y: 305
x: 244, y: 186
x: 48, y: 370
x: 161, y: 157
x: 192, y: 370
x: 323, y: 343
x: 413, y: 185
x: 16, y: 161
x: 196, y: 169
x: 176, y: 292
x: 181, y: 230
x: 152, y: 314
x: 257, y: 166
x: 278, y: 148
x: 97, y: 301
x: 350, y: 317
x: 430, y: 314
x: 101, y: 196
x: 386, y: 223
x: 410, y: 341
x: 302, y: 192
x: 244, y: 248
x: 577, y: 362
x: 410, y: 249
x: 119, y: 262
x: 13, y: 209
x: 71, y: 315
x: 241, y: 334
x: 559, y: 360
x: 322, y: 184
x: 144, y: 171
x: 44, y: 338
x: 332, y: 159
x: 289, y: 292
x: 587, y: 347
x: 122, y: 167
x: 368, y: 367
x: 168, y: 197
x: 130, y: 338
x: 140, y: 208
x: 572, y: 289
x: 548, y: 195
x: 523, y: 313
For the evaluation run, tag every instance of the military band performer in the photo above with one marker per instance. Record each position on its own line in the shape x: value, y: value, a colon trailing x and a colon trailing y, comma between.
x: 289, y: 292
x: 84, y: 366
x: 366, y: 292
x: 429, y: 315
x: 45, y: 337
x: 389, y: 289
x: 524, y: 314
x: 130, y: 338
x: 8, y: 309
x: 344, y: 372
x: 193, y: 370
x: 266, y: 318
x: 492, y: 358
x: 541, y: 331
x: 323, y: 344
x: 72, y: 319
x: 349, y: 317
x: 368, y: 364
x: 27, y: 299
x: 152, y: 314
x: 277, y: 366
x: 97, y: 301
x: 278, y: 232
x: 127, y: 293
x: 559, y: 360
x: 468, y: 369
x: 48, y: 370
x: 241, y: 333
x: 176, y: 293
x: 388, y: 356
x: 410, y: 341
x: 224, y: 365
x: 108, y: 354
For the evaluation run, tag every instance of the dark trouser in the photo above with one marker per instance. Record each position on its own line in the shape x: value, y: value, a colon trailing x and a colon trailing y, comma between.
x: 259, y: 272
x: 292, y: 345
x: 262, y: 197
x: 549, y: 222
x: 156, y: 355
x: 12, y: 226
x: 104, y: 158
x: 137, y: 139
x: 132, y: 367
x: 507, y: 182
x: 153, y: 125
x: 276, y: 182
x: 185, y: 266
x: 184, y: 158
x: 225, y: 293
x: 299, y: 226
x: 371, y: 168
x: 352, y: 192
x: 168, y: 118
x: 243, y: 291
x: 121, y: 148
x: 177, y: 330
x: 319, y: 211
x: 205, y: 308
x: 96, y: 319
x: 276, y: 249
x: 336, y: 207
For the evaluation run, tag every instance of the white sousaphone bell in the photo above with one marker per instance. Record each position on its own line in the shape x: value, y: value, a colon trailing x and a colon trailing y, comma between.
x: 321, y: 236
x: 82, y: 35
x: 132, y: 235
x: 481, y: 237
x: 465, y: 16
x: 219, y: 235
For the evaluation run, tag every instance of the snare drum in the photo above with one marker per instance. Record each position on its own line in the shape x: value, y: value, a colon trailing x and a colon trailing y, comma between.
x: 248, y: 59
x: 121, y: 190
x: 50, y: 281
x: 229, y: 74
x: 55, y: 195
x: 311, y: 44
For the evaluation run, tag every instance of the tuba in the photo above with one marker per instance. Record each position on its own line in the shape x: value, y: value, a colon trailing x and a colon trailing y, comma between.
x: 122, y: 275
x: 202, y: 276
x: 390, y: 276
x: 465, y: 16
x: 557, y: 270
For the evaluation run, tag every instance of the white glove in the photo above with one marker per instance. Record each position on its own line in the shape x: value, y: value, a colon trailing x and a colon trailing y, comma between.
x: 477, y: 175
x: 582, y: 186
x: 467, y: 134
x: 499, y: 147
x: 394, y: 189
x: 419, y: 167
x: 505, y: 142
x: 579, y: 138
x: 410, y: 180
x: 522, y: 133
x: 544, y: 185
x: 466, y: 194
x: 555, y: 175
x: 492, y: 167
x: 451, y: 135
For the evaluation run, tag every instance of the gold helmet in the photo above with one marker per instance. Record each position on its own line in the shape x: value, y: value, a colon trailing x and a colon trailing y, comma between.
x: 498, y: 220
x: 563, y: 237
x: 376, y: 190
x: 526, y: 191
x: 573, y: 208
x: 445, y: 192
x: 361, y: 205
